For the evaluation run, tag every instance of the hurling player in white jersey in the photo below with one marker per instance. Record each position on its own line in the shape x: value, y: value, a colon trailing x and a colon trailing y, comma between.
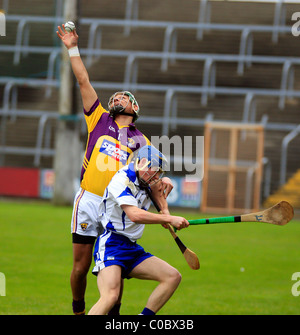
x: 123, y: 215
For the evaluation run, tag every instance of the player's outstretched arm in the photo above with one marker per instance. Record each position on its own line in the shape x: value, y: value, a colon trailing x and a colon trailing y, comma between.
x: 141, y: 216
x: 70, y: 40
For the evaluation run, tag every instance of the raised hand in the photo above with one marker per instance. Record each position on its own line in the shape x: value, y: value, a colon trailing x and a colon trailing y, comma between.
x: 70, y: 40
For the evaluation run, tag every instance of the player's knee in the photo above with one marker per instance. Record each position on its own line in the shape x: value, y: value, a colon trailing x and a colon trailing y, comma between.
x: 174, y: 278
x: 177, y: 278
x: 112, y: 297
x: 80, y: 270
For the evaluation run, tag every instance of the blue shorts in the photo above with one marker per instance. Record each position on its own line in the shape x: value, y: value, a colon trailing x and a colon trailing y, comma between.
x: 115, y: 249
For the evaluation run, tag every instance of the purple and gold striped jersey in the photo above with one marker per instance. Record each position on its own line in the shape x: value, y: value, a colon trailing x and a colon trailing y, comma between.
x: 109, y: 148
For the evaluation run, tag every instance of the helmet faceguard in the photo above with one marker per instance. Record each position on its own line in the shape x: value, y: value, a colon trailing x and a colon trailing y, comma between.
x: 154, y: 162
x: 116, y: 107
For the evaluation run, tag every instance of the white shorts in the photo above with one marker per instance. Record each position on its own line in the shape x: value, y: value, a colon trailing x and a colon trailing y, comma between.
x: 85, y: 214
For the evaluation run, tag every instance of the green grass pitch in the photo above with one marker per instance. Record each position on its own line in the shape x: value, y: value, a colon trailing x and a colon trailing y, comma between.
x: 246, y: 268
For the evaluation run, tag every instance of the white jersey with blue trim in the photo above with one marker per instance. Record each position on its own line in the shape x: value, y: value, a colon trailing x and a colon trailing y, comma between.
x: 123, y: 190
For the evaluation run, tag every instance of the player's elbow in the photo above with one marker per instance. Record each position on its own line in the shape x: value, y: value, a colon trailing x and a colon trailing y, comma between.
x: 134, y: 217
x: 134, y: 214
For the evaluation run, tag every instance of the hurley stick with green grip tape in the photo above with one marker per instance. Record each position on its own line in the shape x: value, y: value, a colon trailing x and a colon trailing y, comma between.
x: 279, y: 214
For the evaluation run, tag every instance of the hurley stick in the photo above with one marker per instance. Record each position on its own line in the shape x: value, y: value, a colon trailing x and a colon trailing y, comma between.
x: 190, y: 257
x: 279, y: 214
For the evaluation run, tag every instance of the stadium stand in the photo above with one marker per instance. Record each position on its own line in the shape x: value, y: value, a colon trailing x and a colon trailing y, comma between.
x: 289, y: 191
x: 185, y: 66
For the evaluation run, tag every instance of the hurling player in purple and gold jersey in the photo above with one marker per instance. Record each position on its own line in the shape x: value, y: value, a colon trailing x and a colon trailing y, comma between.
x: 112, y: 138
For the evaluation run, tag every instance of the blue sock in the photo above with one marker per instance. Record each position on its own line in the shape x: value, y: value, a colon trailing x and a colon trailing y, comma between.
x: 147, y: 311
